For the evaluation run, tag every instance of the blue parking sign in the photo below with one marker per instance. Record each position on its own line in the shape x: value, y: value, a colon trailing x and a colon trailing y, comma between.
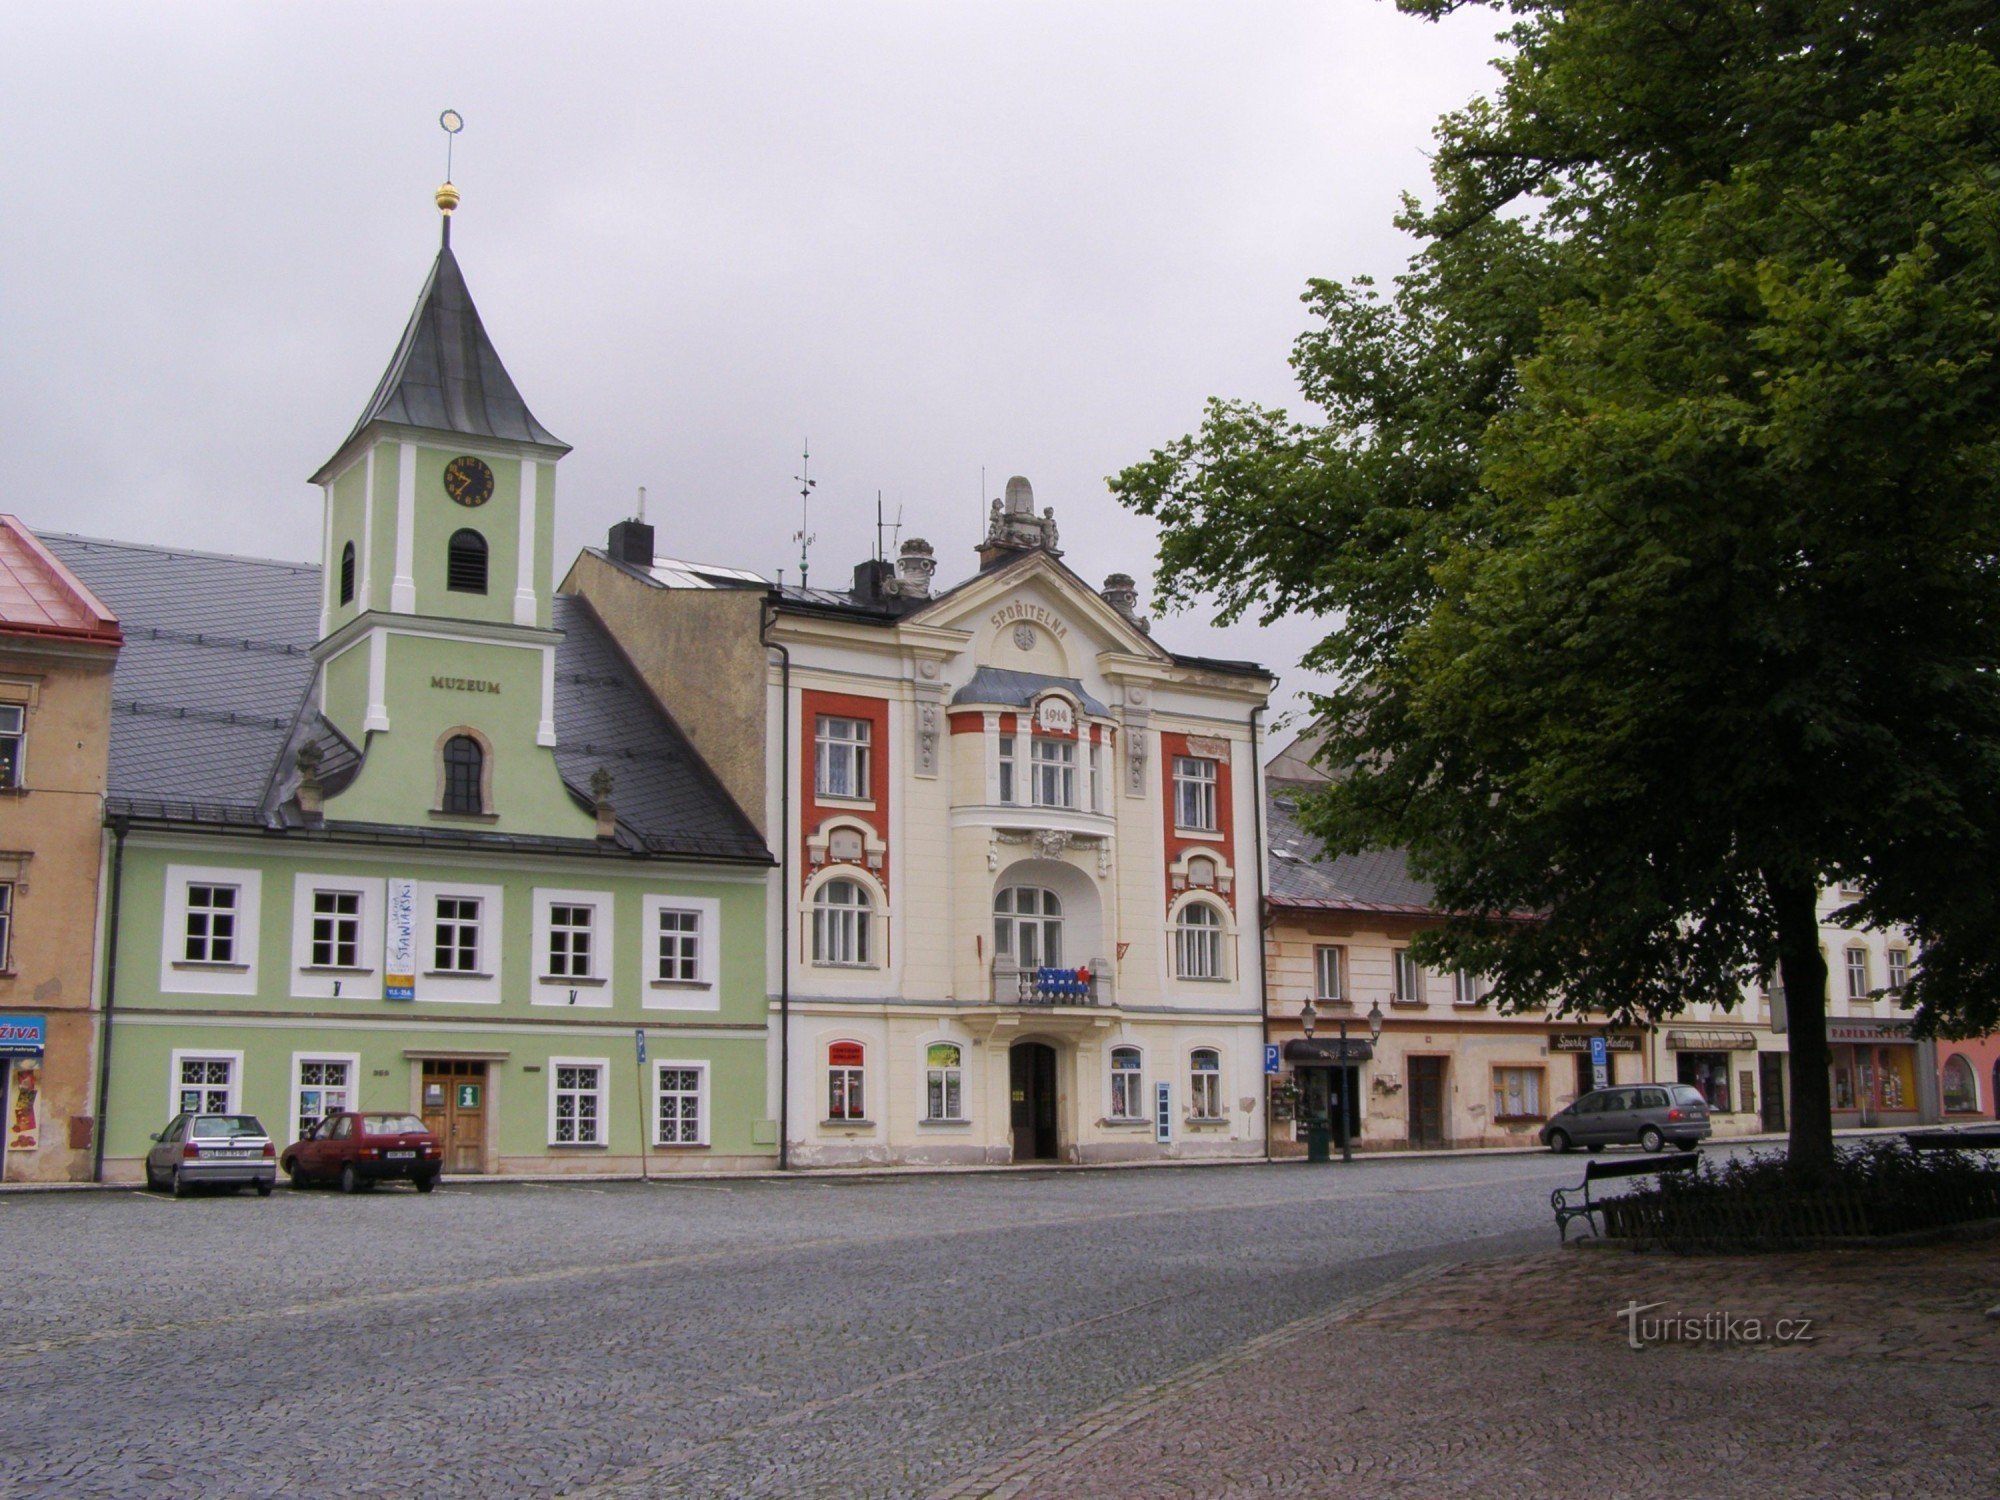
x: 1271, y: 1057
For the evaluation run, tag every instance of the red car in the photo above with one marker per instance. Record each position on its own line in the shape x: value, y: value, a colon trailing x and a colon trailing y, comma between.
x: 358, y: 1150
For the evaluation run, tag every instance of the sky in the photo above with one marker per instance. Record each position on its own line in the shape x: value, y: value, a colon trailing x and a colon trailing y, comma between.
x: 943, y: 243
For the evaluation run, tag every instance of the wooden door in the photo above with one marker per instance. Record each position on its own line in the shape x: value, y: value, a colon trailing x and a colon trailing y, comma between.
x: 1427, y: 1101
x: 1771, y: 1068
x: 1031, y: 1080
x: 455, y: 1112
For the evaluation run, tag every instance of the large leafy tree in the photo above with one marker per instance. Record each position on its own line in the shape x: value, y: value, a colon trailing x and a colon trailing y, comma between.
x: 1655, y: 511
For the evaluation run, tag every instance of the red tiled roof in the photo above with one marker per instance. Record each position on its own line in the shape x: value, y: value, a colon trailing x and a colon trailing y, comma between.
x: 41, y: 597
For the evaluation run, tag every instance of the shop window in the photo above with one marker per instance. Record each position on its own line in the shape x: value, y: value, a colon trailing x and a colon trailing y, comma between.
x: 1128, y: 1084
x: 1198, y: 942
x: 840, y: 757
x: 943, y: 1082
x: 1027, y: 928
x: 336, y: 930
x: 844, y: 1066
x: 1517, y: 1094
x: 1961, y: 1086
x: 464, y: 775
x: 325, y: 1085
x: 347, y: 574
x: 681, y: 1112
x: 1194, y: 793
x: 1205, y: 1083
x: 13, y: 736
x: 1330, y: 972
x: 1708, y: 1072
x: 841, y: 923
x: 465, y: 562
x: 576, y: 1105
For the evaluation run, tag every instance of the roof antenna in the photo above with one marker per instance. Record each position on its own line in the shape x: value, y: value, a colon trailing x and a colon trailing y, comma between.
x: 451, y: 122
x: 807, y: 485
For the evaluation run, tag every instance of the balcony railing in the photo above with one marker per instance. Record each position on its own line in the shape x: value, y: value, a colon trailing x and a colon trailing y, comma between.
x: 1050, y: 986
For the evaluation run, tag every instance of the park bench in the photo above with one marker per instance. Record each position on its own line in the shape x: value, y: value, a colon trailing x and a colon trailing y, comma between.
x: 1954, y: 1140
x: 1568, y: 1206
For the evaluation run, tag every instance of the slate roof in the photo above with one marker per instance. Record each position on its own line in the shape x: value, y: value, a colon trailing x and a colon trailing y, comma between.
x: 1301, y: 876
x: 1020, y: 689
x: 210, y: 703
x: 446, y: 375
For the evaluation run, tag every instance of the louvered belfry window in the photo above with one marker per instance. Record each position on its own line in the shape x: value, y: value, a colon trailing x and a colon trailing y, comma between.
x: 465, y: 564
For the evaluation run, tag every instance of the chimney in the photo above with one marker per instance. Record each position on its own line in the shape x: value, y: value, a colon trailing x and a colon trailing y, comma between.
x: 914, y: 567
x: 1121, y: 592
x: 632, y: 542
x: 871, y: 581
x: 600, y: 796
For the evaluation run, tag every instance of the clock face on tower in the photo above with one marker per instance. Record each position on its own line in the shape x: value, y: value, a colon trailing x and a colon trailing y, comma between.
x: 468, y: 481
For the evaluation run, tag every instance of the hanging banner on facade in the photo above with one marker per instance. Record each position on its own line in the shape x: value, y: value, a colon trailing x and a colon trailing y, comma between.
x: 24, y: 1113
x: 399, y: 978
x: 22, y: 1036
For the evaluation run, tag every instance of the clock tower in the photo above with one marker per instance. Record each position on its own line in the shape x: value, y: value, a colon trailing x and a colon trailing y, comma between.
x: 436, y: 653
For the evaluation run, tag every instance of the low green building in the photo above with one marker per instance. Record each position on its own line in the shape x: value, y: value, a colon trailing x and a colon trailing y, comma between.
x: 404, y: 831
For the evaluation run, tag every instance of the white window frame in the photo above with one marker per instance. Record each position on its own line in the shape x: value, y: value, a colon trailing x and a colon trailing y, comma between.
x: 1097, y: 783
x: 681, y: 1065
x: 233, y: 1090
x: 868, y: 941
x: 1196, y: 940
x: 1467, y: 989
x: 854, y: 749
x: 1406, y: 978
x: 1007, y: 786
x: 239, y: 975
x: 700, y: 993
x: 1899, y: 970
x: 481, y: 985
x: 944, y: 1086
x: 580, y: 992
x: 601, y: 1093
x: 364, y: 980
x: 859, y: 1081
x: 1012, y: 921
x: 17, y: 734
x: 6, y: 927
x: 351, y: 1092
x: 1855, y: 962
x: 1206, y: 1081
x: 1135, y: 1078
x: 1199, y: 792
x: 1538, y: 1073
x: 1330, y: 962
x: 1058, y: 763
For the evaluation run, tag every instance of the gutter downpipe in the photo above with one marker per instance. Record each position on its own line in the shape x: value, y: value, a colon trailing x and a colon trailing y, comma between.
x: 784, y: 897
x: 1264, y: 914
x: 119, y: 828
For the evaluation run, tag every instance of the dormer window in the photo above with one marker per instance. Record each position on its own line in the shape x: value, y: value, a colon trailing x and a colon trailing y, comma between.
x: 464, y: 767
x: 347, y: 574
x: 465, y: 562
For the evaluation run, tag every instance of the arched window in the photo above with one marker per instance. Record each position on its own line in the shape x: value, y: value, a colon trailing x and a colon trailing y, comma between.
x: 464, y: 775
x: 465, y: 562
x: 1198, y: 942
x: 841, y: 911
x: 942, y: 1078
x: 1961, y: 1088
x: 1205, y: 1083
x: 1128, y: 1087
x: 1027, y: 927
x: 843, y: 1081
x: 347, y: 574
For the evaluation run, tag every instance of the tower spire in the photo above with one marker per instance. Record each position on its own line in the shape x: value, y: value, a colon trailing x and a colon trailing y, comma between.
x: 451, y: 122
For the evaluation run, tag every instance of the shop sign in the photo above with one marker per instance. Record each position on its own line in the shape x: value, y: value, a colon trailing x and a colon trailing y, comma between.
x: 1872, y: 1031
x: 24, y: 1115
x: 1580, y: 1041
x: 22, y: 1036
x: 399, y: 979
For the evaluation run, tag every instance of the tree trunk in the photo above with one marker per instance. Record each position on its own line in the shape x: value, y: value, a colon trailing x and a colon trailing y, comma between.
x: 1802, y: 967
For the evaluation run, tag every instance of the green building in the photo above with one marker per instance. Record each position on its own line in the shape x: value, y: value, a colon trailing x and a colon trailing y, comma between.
x: 404, y: 831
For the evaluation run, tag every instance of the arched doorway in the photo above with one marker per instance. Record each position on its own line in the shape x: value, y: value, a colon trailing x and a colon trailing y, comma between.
x: 1031, y: 1083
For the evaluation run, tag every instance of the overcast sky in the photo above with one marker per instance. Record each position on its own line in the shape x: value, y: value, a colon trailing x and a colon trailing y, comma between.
x: 935, y: 239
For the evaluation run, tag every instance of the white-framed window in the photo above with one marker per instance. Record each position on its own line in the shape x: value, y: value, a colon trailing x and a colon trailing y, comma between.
x: 1899, y: 969
x: 842, y: 923
x: 1205, y: 1083
x: 1330, y: 972
x: 13, y: 744
x: 320, y: 1086
x: 1198, y: 942
x: 683, y: 935
x: 1517, y: 1093
x: 1097, y: 802
x: 1053, y: 772
x: 336, y: 930
x: 1194, y: 793
x: 210, y: 942
x: 840, y: 757
x: 572, y: 949
x: 573, y: 937
x: 1857, y: 973
x: 1128, y: 1084
x: 337, y: 939
x: 943, y: 1082
x: 1466, y: 988
x: 1006, y: 754
x: 455, y: 935
x: 1409, y: 979
x: 6, y: 926
x: 576, y: 1101
x: 678, y: 946
x: 680, y: 1103
x: 1027, y: 927
x: 205, y: 1083
x: 846, y: 1065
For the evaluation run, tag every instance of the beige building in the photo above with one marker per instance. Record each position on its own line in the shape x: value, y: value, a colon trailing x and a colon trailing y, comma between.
x: 1015, y: 915
x: 57, y: 647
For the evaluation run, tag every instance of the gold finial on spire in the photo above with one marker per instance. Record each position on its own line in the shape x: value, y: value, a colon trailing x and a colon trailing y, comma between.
x: 447, y: 197
x: 451, y: 122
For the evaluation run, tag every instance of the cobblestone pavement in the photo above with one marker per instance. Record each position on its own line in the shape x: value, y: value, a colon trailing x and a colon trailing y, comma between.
x: 1519, y: 1378
x: 821, y: 1337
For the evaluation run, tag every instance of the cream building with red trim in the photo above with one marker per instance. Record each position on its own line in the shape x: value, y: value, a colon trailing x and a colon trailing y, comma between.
x: 1016, y: 917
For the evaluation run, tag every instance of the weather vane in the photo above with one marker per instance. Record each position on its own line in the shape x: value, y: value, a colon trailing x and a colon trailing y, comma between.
x: 807, y: 485
x: 451, y: 122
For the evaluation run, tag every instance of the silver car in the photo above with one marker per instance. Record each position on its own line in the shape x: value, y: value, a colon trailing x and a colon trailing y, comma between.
x: 223, y: 1150
x: 1647, y: 1114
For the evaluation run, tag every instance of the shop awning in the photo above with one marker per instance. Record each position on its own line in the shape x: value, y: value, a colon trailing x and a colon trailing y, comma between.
x: 1711, y: 1041
x: 1326, y: 1052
